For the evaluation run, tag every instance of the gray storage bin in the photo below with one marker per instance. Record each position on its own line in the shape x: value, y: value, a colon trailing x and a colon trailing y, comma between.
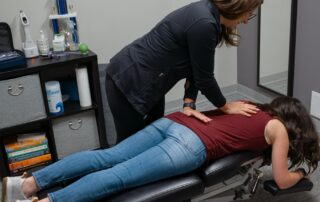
x: 21, y: 101
x: 75, y: 133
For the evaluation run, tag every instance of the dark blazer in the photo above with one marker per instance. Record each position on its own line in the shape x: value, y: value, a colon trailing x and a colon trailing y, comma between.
x: 182, y: 45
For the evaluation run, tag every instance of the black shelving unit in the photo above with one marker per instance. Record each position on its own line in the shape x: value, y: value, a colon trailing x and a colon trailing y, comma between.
x: 62, y: 68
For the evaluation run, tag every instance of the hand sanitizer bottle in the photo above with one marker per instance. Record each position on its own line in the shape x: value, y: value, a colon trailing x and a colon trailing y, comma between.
x: 43, y: 44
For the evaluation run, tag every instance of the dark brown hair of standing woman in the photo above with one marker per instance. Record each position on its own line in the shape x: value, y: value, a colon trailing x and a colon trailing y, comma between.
x: 233, y: 9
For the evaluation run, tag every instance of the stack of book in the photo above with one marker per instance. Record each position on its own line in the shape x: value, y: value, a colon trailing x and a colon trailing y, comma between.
x: 27, y: 151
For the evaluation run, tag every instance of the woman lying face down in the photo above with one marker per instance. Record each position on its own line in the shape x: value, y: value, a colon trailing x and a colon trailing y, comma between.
x: 179, y: 144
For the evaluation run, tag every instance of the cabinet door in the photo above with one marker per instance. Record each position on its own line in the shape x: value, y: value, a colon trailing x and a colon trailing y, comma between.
x: 75, y: 133
x: 21, y: 101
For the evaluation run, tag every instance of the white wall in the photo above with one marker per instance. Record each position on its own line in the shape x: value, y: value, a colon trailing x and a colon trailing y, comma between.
x: 107, y: 26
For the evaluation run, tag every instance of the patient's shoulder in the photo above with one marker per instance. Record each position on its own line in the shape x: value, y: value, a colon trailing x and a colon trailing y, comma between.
x: 275, y: 129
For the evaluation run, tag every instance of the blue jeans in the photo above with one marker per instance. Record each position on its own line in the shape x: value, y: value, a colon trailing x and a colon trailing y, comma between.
x: 161, y: 150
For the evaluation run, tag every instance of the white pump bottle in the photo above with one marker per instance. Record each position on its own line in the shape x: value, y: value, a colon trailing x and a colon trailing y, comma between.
x: 29, y: 47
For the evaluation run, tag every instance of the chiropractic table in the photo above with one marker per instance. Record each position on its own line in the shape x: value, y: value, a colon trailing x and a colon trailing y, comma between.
x: 238, y: 172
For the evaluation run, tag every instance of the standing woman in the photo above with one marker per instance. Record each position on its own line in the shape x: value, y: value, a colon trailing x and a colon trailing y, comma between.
x: 180, y: 46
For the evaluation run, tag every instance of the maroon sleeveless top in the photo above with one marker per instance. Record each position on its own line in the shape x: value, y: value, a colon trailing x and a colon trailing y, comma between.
x: 227, y: 133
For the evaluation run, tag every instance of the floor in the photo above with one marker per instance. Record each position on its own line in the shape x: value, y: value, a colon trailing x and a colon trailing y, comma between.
x: 280, y: 86
x: 261, y: 195
x: 276, y: 82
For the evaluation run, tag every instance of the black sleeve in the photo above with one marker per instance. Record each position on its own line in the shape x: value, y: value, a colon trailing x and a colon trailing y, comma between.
x: 190, y: 90
x: 202, y: 39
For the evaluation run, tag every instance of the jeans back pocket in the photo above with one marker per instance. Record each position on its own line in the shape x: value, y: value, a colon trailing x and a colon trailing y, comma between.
x: 188, y: 138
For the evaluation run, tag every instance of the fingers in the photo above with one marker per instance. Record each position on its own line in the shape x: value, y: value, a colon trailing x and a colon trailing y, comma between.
x: 249, y: 109
x: 240, y: 107
x: 196, y: 114
x: 245, y: 113
x: 252, y: 107
x: 204, y: 118
x: 201, y: 116
x: 237, y: 107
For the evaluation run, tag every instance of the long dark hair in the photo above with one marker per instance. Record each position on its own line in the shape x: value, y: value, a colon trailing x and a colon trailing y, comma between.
x: 303, y: 137
x: 233, y: 9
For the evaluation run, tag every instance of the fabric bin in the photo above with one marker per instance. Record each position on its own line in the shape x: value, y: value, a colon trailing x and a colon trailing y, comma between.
x: 75, y: 133
x: 21, y: 101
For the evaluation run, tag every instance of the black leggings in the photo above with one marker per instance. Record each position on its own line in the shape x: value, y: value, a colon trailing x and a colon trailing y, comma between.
x: 126, y: 119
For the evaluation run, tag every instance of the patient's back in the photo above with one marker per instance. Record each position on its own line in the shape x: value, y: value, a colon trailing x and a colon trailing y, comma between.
x: 227, y: 133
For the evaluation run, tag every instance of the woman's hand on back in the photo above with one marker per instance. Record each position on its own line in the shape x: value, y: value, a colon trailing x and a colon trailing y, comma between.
x: 192, y: 112
x: 239, y: 107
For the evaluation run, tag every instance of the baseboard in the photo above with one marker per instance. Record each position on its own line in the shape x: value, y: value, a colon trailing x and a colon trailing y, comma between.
x: 274, y: 77
x: 254, y: 95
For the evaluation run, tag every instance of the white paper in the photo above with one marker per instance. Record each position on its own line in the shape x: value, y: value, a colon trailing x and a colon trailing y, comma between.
x: 83, y: 86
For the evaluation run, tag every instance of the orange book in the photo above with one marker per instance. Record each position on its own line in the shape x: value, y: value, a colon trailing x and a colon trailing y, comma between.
x: 28, y: 162
x: 13, y: 148
x: 31, y: 167
x: 15, y: 145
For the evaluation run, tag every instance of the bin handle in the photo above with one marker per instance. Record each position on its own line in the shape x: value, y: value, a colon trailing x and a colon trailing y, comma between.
x: 72, y: 127
x: 11, y: 92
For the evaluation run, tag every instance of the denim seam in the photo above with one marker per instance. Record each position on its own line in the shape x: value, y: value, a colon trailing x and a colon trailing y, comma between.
x: 122, y: 183
x: 65, y: 179
x: 165, y: 132
x: 36, y: 180
x: 187, y: 146
x: 88, y: 172
x: 165, y: 151
x: 51, y: 197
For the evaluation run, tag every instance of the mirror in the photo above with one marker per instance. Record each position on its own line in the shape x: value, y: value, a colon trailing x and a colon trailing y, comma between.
x: 276, y: 47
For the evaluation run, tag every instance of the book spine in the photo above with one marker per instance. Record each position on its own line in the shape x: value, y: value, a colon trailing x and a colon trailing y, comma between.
x: 23, y: 145
x: 29, y: 162
x: 28, y: 150
x: 30, y: 167
x: 28, y: 155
